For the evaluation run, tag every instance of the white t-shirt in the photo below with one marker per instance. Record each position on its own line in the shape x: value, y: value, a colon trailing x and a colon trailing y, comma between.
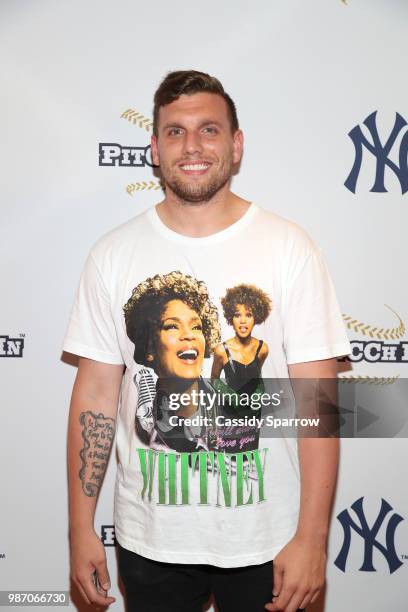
x: 186, y: 494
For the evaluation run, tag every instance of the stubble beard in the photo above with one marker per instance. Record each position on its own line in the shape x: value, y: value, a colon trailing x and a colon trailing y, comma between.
x: 196, y: 193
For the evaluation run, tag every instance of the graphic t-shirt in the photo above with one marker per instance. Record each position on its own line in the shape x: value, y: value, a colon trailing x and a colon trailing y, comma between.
x: 202, y: 481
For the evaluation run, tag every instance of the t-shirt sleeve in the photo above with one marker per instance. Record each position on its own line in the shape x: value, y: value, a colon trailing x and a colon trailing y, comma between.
x: 91, y: 330
x: 313, y: 325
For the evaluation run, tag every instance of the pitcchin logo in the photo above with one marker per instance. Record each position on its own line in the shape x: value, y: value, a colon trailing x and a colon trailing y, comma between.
x: 108, y: 535
x: 374, y: 345
x: 11, y: 347
x: 114, y: 154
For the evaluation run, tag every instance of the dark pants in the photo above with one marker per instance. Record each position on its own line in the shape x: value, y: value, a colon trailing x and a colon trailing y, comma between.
x: 154, y: 586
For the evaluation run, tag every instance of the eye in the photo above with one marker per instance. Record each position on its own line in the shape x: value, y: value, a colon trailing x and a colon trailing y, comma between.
x: 175, y: 131
x: 210, y: 130
x: 198, y: 326
x: 167, y: 326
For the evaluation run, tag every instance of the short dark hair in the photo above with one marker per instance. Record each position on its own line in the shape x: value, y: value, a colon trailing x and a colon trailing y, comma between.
x: 189, y: 82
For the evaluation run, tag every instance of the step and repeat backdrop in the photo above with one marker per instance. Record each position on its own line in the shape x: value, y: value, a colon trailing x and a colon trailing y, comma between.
x: 322, y: 98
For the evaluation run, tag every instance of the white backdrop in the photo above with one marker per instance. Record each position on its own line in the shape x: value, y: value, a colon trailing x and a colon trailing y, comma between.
x: 303, y: 74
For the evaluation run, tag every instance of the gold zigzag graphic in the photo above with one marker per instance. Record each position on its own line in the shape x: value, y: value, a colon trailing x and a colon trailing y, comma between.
x: 142, y: 185
x: 137, y: 119
x: 382, y: 333
x: 371, y: 380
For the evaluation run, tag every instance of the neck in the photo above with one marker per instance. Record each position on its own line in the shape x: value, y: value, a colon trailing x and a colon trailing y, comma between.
x: 245, y: 341
x: 200, y: 219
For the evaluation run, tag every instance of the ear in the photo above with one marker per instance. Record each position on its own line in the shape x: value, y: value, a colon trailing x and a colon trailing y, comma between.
x: 238, y: 146
x: 149, y: 357
x: 155, y: 150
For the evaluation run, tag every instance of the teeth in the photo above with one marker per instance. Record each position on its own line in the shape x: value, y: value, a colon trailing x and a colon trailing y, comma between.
x: 189, y: 354
x: 195, y: 167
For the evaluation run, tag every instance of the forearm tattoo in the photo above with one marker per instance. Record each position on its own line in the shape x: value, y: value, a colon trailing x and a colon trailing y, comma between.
x: 98, y: 432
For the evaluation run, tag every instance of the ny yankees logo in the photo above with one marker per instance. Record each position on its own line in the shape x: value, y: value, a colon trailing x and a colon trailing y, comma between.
x: 381, y: 153
x: 369, y: 536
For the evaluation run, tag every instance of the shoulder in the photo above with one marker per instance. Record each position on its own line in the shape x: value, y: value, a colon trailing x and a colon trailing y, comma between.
x: 285, y: 239
x: 219, y: 350
x: 121, y: 237
x: 264, y: 350
x: 220, y: 357
x: 283, y: 232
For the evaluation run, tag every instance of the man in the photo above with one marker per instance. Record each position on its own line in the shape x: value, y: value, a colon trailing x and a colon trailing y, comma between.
x: 192, y: 523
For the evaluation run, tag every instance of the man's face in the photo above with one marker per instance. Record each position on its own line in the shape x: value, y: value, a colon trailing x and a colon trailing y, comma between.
x: 195, y: 147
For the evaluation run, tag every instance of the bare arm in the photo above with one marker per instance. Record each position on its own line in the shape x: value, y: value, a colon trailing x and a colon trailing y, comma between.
x: 91, y: 429
x: 263, y: 353
x: 318, y: 459
x: 218, y: 362
x: 299, y: 569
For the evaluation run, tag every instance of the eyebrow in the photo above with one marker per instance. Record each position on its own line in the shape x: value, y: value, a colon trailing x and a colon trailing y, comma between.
x: 168, y: 125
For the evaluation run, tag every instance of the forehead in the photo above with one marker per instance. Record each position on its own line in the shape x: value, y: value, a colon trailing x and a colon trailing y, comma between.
x: 242, y: 307
x: 178, y: 308
x: 190, y: 110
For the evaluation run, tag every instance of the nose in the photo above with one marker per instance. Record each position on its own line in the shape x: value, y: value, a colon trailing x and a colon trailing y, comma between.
x: 186, y: 333
x: 192, y: 143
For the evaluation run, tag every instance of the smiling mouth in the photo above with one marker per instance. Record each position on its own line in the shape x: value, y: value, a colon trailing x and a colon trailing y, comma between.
x: 188, y: 355
x: 195, y: 168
